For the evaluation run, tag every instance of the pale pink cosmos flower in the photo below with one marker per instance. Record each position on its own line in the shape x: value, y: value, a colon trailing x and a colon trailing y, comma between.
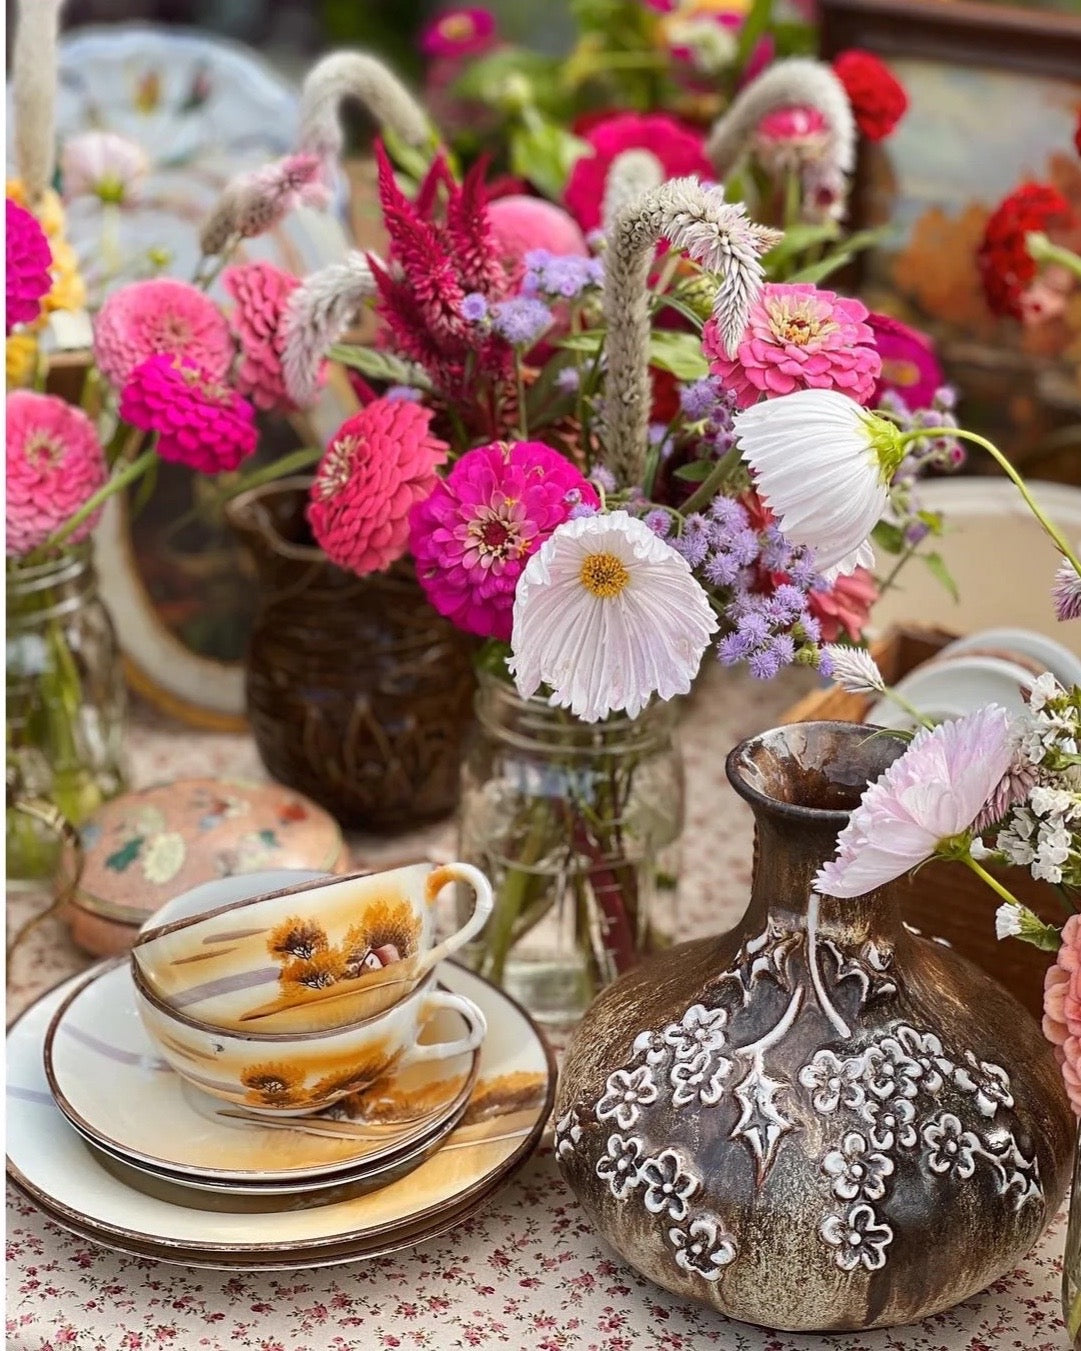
x: 931, y: 793
x: 1066, y: 592
x: 104, y: 165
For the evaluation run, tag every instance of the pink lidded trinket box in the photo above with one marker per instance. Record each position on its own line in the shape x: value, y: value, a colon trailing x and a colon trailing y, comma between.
x: 146, y: 847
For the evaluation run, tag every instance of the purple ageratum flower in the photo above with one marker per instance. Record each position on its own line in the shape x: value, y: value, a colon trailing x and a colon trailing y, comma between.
x: 560, y: 276
x: 474, y: 307
x: 402, y: 394
x: 660, y: 522
x: 568, y: 380
x: 699, y: 399
x: 693, y: 544
x: 521, y: 321
x: 603, y: 478
x: 729, y: 512
x: 787, y: 603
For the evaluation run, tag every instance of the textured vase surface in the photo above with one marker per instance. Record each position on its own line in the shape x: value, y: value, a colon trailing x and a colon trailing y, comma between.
x: 359, y: 694
x: 819, y: 1120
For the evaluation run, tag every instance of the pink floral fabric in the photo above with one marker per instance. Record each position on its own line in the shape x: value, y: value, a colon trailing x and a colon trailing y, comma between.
x: 528, y: 1273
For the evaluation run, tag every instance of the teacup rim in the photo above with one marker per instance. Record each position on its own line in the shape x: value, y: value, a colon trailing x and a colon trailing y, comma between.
x: 145, y: 936
x: 269, y: 1038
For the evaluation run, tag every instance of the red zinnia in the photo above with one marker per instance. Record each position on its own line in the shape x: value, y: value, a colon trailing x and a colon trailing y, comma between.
x: 878, y: 99
x: 1006, y: 266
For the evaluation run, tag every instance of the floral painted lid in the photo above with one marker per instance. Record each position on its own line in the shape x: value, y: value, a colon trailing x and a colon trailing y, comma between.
x: 144, y: 848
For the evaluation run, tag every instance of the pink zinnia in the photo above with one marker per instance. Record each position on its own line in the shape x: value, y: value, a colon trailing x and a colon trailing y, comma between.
x: 930, y: 794
x: 521, y: 224
x: 1062, y: 1009
x: 160, y: 316
x: 459, y: 33
x: 483, y: 522
x: 381, y: 461
x: 28, y: 261
x: 199, y: 421
x: 261, y: 291
x: 677, y: 147
x: 798, y: 337
x: 910, y: 368
x: 54, y: 465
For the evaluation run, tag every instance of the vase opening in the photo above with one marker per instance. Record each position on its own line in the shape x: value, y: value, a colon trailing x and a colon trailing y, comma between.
x: 811, y: 771
x: 275, y: 513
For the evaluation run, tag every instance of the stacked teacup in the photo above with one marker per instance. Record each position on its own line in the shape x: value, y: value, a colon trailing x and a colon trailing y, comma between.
x: 297, y: 1001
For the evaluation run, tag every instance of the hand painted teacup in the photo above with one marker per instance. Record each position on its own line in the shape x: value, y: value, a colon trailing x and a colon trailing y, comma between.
x: 294, y: 1074
x: 314, y: 955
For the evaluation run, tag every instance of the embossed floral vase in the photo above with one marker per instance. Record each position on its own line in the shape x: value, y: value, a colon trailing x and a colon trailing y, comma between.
x: 817, y: 1121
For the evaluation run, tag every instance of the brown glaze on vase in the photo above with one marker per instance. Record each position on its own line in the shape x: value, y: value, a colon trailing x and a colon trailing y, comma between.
x: 817, y: 1121
x: 359, y: 694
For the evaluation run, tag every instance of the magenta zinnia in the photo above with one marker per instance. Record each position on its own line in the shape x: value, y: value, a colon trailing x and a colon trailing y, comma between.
x: 798, y: 337
x: 260, y: 291
x: 29, y: 258
x: 475, y: 533
x: 381, y: 461
x: 54, y: 466
x: 160, y: 316
x: 199, y: 421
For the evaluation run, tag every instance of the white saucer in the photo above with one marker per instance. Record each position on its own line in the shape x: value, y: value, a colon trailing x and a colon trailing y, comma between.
x: 950, y: 689
x: 508, y: 1108
x: 1045, y: 652
x: 110, y: 1082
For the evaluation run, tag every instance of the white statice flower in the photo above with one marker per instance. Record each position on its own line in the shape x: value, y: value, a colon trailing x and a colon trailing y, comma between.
x: 104, y: 165
x: 853, y: 668
x: 1044, y: 689
x: 1047, y: 801
x: 608, y: 615
x: 823, y: 465
x: 1015, y: 839
x: 1007, y: 921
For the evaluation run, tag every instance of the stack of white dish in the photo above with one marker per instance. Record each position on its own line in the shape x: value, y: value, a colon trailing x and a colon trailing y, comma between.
x: 384, y: 1096
x: 993, y: 666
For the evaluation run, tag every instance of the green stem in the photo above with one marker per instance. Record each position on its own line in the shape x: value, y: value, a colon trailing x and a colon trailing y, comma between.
x: 1043, y: 251
x: 707, y: 489
x: 910, y: 709
x: 523, y: 416
x: 135, y: 469
x: 288, y: 464
x: 993, y: 882
x: 1008, y: 469
x: 906, y: 554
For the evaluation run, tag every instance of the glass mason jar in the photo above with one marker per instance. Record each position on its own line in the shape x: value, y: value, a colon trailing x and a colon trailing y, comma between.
x: 65, y: 703
x: 1071, y: 1260
x: 578, y: 826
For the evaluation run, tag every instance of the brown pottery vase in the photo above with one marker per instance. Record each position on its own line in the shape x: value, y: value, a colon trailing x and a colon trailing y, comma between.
x: 818, y: 1121
x: 359, y: 694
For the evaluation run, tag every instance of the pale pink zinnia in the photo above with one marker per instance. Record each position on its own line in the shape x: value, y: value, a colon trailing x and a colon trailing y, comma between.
x: 798, y: 337
x: 54, y: 465
x: 160, y: 316
x: 260, y: 291
x: 479, y: 528
x: 381, y: 461
x: 930, y: 794
x: 199, y: 421
x: 1062, y: 1009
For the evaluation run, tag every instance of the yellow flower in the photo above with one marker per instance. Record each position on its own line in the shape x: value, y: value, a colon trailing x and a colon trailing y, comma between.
x: 68, y: 289
x: 21, y: 358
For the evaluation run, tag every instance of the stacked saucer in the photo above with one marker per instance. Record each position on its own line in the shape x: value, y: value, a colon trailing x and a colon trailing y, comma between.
x: 113, y: 1143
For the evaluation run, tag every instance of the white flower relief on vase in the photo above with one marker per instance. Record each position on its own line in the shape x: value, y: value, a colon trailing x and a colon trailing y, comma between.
x: 700, y: 1079
x: 990, y: 1083
x: 702, y: 1247
x: 668, y: 1185
x: 891, y: 1123
x: 856, y: 1169
x: 568, y: 1132
x: 624, y: 1091
x: 620, y: 1165
x: 949, y: 1147
x: 859, y: 1238
x: 833, y: 1081
x: 700, y: 1029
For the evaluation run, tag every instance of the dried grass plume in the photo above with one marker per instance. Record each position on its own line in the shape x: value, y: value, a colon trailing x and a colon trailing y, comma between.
x: 33, y: 74
x: 318, y: 313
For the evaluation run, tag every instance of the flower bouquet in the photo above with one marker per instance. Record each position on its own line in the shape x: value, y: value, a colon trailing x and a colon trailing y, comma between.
x: 564, y: 428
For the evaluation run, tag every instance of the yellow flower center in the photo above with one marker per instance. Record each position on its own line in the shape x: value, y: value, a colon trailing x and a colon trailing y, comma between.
x: 456, y: 27
x: 604, y: 574
x: 797, y: 321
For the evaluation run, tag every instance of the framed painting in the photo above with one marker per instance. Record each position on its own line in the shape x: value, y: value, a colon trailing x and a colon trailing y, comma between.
x: 994, y: 101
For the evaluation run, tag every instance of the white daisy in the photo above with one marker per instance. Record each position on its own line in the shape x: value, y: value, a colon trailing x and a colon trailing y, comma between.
x: 822, y: 463
x: 608, y: 615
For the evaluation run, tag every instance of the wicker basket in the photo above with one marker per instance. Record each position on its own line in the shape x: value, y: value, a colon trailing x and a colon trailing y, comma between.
x: 948, y: 902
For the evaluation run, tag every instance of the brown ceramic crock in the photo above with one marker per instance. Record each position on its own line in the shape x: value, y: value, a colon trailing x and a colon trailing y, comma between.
x: 818, y: 1121
x: 359, y: 694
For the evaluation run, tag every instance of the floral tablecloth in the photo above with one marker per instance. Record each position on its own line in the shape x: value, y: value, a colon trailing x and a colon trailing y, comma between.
x: 527, y: 1273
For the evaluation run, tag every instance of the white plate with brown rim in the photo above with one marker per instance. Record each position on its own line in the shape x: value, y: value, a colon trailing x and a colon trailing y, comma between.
x: 109, y: 1081
x: 508, y: 1107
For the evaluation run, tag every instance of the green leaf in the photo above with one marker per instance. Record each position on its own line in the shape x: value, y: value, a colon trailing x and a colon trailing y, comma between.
x: 511, y: 70
x: 825, y: 267
x: 696, y: 472
x: 126, y: 856
x: 380, y: 365
x: 937, y: 565
x: 589, y: 340
x: 678, y: 353
x: 889, y: 537
x: 412, y: 160
x: 752, y: 28
x: 800, y: 237
x: 544, y: 153
x: 932, y: 520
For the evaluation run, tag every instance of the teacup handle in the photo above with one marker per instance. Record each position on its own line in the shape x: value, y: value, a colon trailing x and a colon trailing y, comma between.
x: 443, y: 1050
x: 482, y: 907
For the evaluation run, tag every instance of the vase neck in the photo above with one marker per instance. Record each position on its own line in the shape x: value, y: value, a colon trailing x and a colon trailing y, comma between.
x: 802, y: 783
x: 49, y: 590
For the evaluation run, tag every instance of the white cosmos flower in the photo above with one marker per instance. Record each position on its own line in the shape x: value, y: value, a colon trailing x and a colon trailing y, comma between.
x: 822, y: 463
x: 104, y: 165
x: 608, y: 615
